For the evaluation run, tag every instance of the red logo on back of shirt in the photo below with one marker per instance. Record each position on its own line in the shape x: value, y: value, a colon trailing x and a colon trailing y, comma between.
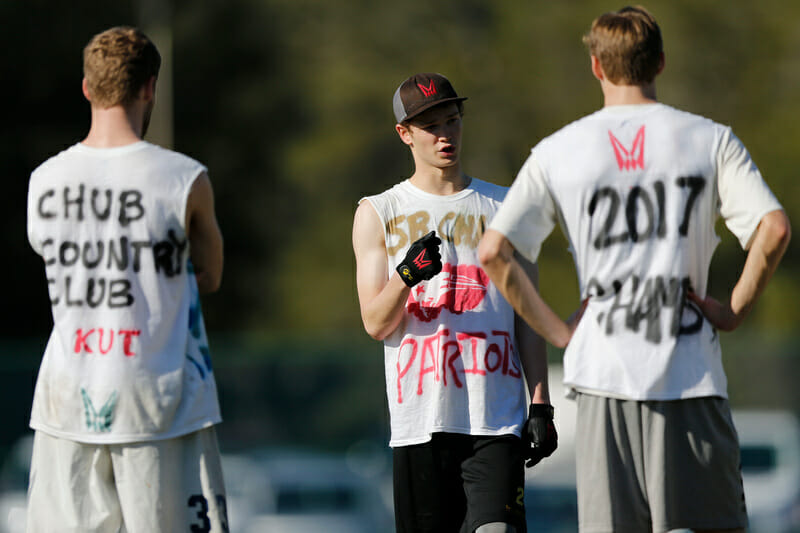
x: 629, y: 159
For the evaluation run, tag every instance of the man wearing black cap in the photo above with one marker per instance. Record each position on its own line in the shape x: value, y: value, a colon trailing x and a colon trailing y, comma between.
x: 455, y: 353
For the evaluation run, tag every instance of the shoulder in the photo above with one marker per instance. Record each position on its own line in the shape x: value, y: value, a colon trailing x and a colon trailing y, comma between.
x: 174, y: 158
x: 392, y: 194
x: 54, y: 162
x: 488, y: 189
x: 367, y: 225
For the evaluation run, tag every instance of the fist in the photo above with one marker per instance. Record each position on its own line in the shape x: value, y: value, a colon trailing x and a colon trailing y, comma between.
x: 422, y: 261
x: 539, y: 433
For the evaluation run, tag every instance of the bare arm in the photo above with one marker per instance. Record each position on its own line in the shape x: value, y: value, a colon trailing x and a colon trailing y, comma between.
x: 382, y: 301
x: 532, y: 347
x: 205, y: 237
x: 770, y: 243
x: 497, y: 257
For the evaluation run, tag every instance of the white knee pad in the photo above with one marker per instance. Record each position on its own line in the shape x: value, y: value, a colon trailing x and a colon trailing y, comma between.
x: 496, y: 527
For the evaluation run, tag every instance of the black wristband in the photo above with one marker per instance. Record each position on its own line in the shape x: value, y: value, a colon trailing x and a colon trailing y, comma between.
x: 543, y: 410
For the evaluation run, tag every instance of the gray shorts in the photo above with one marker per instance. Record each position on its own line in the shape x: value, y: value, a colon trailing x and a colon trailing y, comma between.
x: 657, y: 465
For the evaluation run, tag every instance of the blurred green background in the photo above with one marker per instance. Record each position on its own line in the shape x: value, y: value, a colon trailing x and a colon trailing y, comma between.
x: 288, y: 102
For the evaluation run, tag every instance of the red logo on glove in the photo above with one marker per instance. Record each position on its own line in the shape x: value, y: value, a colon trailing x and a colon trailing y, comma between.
x: 420, y: 260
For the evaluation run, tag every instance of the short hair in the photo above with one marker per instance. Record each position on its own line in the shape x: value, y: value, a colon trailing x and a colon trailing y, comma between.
x: 628, y: 45
x: 117, y: 63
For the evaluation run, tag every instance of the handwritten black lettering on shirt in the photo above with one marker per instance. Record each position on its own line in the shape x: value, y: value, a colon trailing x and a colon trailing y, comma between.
x: 81, y: 269
x: 642, y: 303
x: 645, y: 217
x: 74, y: 204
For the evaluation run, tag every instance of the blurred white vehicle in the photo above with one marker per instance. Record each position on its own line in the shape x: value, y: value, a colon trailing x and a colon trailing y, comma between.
x: 14, y: 485
x: 770, y: 453
x: 279, y: 491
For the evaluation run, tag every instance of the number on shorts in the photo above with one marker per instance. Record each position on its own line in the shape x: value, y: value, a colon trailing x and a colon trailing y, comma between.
x: 199, y: 502
x: 222, y: 509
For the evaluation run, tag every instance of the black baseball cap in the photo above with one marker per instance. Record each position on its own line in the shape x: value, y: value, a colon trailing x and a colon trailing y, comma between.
x: 421, y: 92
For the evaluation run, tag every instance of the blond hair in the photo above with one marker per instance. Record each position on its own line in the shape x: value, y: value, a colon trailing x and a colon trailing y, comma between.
x: 116, y: 65
x: 628, y: 45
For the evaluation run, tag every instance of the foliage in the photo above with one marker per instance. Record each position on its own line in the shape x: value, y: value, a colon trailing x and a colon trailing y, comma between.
x: 289, y: 105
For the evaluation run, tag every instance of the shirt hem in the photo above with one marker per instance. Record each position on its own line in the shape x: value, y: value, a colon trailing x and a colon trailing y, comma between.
x: 122, y: 438
x: 572, y: 390
x: 481, y: 432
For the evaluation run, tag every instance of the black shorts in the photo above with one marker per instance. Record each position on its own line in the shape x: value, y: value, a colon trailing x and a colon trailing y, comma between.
x: 456, y: 483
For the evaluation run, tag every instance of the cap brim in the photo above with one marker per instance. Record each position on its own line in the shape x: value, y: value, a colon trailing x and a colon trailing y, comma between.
x: 430, y: 105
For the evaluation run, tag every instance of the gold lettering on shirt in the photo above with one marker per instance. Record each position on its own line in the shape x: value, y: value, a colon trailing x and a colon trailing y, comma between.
x: 418, y: 225
x: 398, y: 237
x: 457, y: 228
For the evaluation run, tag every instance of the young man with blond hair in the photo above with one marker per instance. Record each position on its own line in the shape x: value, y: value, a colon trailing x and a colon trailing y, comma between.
x: 637, y: 188
x: 456, y: 357
x: 125, y: 401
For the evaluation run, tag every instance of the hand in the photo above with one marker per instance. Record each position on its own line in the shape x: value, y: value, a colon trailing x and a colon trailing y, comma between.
x: 422, y: 260
x: 575, y: 318
x: 539, y: 433
x: 720, y: 315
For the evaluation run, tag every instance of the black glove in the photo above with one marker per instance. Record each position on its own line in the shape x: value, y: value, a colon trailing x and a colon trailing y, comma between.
x: 422, y: 260
x: 539, y: 433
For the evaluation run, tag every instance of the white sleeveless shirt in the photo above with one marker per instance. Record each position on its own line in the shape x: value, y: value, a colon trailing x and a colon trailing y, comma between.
x: 637, y: 190
x: 128, y: 357
x: 452, y: 364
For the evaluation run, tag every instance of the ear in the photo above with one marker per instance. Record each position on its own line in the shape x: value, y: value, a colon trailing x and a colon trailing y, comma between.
x: 597, y: 69
x: 149, y: 89
x: 85, y: 89
x: 660, y: 64
x: 404, y: 133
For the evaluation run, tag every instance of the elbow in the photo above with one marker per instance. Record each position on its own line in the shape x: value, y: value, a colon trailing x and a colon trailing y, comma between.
x: 779, y: 229
x: 375, y: 333
x: 785, y: 230
x: 208, y: 283
x: 488, y: 253
x: 212, y: 286
x: 378, y: 330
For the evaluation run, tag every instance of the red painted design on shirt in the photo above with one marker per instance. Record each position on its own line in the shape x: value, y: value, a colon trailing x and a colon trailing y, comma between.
x: 450, y: 358
x: 85, y: 340
x: 629, y: 159
x: 463, y: 290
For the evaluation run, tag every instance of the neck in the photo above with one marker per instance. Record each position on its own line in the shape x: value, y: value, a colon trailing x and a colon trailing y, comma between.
x: 441, y: 181
x: 628, y: 94
x: 114, y: 126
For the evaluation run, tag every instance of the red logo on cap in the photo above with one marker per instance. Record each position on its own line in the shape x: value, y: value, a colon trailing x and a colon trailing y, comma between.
x: 428, y: 91
x: 629, y: 159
